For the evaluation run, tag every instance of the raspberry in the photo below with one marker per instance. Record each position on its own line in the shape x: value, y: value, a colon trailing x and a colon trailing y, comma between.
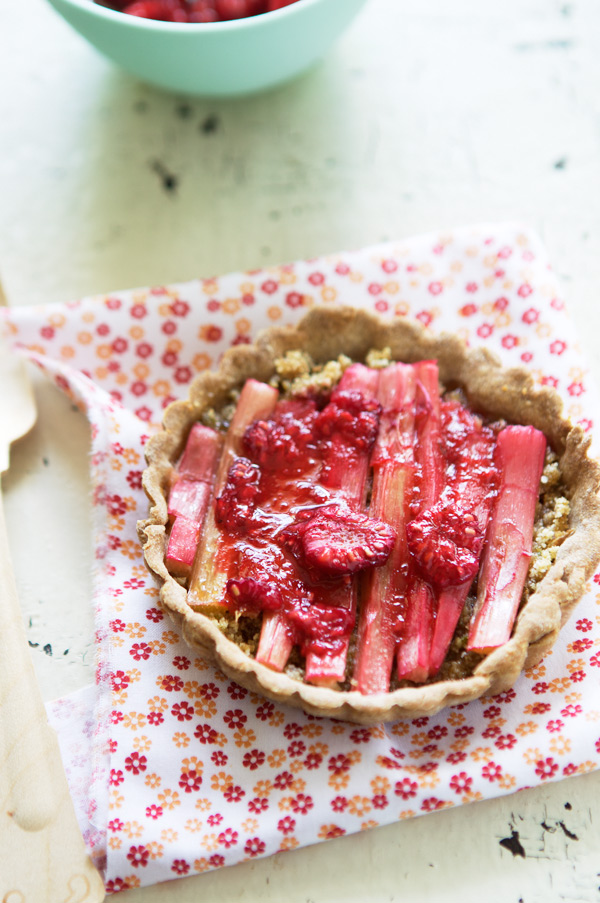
x: 351, y: 416
x: 281, y: 442
x: 321, y: 628
x: 164, y: 10
x: 254, y: 595
x: 232, y: 9
x: 334, y: 541
x: 235, y: 507
x: 205, y: 15
x: 202, y: 11
x: 272, y: 5
x: 446, y: 541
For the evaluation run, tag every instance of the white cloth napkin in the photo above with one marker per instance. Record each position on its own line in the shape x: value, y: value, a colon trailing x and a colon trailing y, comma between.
x: 174, y: 769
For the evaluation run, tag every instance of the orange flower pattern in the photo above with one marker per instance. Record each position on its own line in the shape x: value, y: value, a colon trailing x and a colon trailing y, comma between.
x: 200, y: 773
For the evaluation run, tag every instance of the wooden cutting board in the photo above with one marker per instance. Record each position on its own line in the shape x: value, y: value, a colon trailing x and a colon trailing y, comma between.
x: 42, y: 854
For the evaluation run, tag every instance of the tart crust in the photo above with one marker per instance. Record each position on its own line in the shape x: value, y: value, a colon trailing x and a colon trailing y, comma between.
x: 510, y: 394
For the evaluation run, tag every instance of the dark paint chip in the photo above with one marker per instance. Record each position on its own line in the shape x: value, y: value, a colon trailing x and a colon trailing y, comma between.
x: 566, y: 831
x: 169, y: 180
x: 513, y: 844
x: 210, y: 124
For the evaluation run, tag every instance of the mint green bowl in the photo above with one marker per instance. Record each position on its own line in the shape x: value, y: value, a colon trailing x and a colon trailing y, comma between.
x: 217, y: 59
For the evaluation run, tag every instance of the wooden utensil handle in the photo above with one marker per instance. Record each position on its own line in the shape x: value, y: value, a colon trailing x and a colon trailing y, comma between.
x: 42, y: 854
x: 25, y: 737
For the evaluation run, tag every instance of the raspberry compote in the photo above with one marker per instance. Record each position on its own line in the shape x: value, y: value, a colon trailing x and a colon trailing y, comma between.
x: 348, y: 527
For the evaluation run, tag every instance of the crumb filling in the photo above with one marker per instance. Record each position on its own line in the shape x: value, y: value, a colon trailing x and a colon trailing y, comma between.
x: 327, y: 509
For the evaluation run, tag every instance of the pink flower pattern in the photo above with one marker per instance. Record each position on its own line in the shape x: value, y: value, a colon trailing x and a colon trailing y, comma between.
x: 208, y: 773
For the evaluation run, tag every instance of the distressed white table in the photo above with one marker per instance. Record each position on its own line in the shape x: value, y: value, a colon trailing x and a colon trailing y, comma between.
x: 426, y: 115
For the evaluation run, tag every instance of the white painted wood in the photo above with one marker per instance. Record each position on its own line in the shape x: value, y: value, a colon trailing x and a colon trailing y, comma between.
x: 426, y: 115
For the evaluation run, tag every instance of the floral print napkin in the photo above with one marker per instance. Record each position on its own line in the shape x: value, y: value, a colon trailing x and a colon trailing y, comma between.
x: 175, y: 769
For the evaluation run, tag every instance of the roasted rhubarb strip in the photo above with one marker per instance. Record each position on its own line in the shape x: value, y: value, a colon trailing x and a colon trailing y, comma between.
x: 343, y: 475
x: 285, y: 449
x: 190, y: 495
x: 519, y: 457
x: 345, y: 470
x: 201, y: 454
x: 189, y: 498
x: 471, y: 494
x: 348, y: 450
x: 217, y: 554
x: 414, y: 646
x: 382, y: 610
x: 181, y: 549
x: 276, y: 641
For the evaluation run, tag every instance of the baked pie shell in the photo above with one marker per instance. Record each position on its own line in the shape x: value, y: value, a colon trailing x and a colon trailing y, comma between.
x: 325, y: 333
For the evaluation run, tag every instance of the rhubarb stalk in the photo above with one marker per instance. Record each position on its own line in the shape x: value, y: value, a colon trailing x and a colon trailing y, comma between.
x: 472, y: 494
x: 347, y: 470
x: 415, y: 641
x: 217, y: 555
x: 190, y: 496
x: 343, y: 475
x: 519, y: 456
x: 382, y: 611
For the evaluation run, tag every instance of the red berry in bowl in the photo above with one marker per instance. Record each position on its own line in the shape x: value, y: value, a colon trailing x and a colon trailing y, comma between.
x: 164, y: 10
x: 232, y: 9
x: 272, y: 5
x: 202, y: 11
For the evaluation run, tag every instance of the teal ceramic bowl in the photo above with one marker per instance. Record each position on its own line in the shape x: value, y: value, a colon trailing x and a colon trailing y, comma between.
x: 216, y: 59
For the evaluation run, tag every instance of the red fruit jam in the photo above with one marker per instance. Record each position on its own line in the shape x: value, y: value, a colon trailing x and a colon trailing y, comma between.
x: 365, y: 505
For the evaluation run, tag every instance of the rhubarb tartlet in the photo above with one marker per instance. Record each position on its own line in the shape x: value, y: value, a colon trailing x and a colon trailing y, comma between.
x: 368, y: 521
